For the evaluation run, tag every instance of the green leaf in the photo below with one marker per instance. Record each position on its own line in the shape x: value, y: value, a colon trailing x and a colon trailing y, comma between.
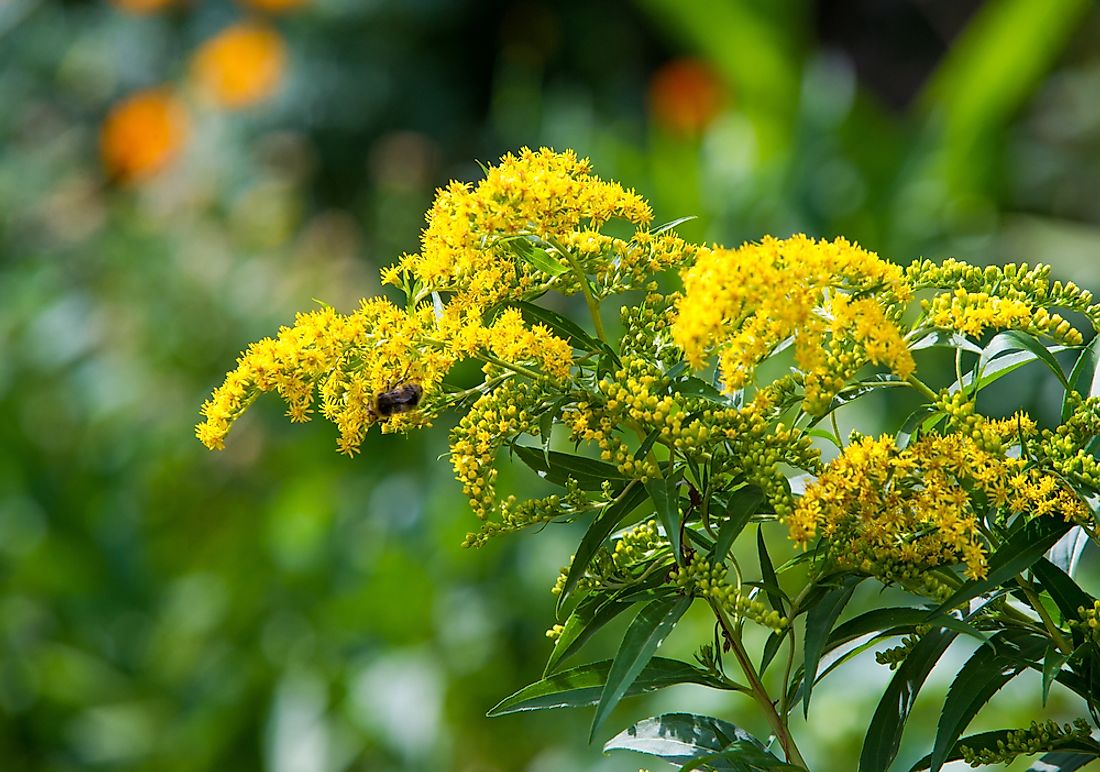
x: 1064, y: 761
x: 771, y: 648
x: 1053, y: 661
x: 679, y: 738
x: 645, y: 634
x: 897, y: 620
x: 1083, y: 378
x: 603, y: 526
x: 819, y: 621
x: 1067, y: 552
x: 583, y: 685
x: 767, y: 571
x: 1065, y: 592
x: 1017, y: 341
x: 744, y: 503
x: 883, y: 738
x: 1018, y: 553
x: 647, y: 444
x: 666, y: 503
x: 537, y: 256
x: 581, y: 625
x: 697, y: 387
x: 946, y: 339
x: 740, y: 756
x: 912, y: 423
x: 559, y: 325
x: 862, y: 388
x: 993, y: 665
x: 556, y: 467
x: 670, y: 225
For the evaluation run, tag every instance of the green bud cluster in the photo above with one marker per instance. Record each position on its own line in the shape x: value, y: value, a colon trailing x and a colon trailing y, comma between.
x: 895, y: 655
x: 637, y: 544
x: 646, y: 329
x: 963, y: 419
x: 493, y: 420
x: 1088, y: 621
x: 1065, y: 446
x: 515, y: 515
x: 708, y: 580
x: 1037, y: 738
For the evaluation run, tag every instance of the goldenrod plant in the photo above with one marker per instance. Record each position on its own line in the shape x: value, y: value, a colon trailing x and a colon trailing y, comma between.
x: 708, y: 418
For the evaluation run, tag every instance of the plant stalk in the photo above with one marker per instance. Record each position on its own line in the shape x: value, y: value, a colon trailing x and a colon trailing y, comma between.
x: 759, y: 693
x: 586, y: 288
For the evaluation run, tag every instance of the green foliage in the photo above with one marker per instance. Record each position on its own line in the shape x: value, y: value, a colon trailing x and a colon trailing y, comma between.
x: 166, y: 610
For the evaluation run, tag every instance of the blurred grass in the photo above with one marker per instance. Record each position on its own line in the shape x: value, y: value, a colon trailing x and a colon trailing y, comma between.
x: 278, y: 606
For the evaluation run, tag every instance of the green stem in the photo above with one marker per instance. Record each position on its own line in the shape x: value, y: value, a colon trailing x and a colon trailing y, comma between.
x: 589, y: 298
x: 519, y: 369
x: 784, y: 708
x: 1040, y: 609
x: 922, y: 387
x: 759, y: 693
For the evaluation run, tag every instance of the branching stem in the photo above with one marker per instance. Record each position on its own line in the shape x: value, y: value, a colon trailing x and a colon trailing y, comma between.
x: 759, y: 693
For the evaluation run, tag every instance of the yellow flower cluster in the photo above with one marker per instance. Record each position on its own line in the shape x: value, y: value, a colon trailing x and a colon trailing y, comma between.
x: 347, y: 360
x: 885, y: 510
x: 468, y: 249
x: 1001, y: 297
x: 990, y: 435
x: 972, y: 313
x: 840, y: 303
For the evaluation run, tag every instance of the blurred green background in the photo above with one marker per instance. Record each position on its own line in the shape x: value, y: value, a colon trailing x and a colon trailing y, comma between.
x: 278, y: 606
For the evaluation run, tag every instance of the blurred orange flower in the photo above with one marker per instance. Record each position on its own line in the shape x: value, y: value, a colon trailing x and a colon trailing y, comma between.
x: 685, y: 96
x: 274, y: 6
x: 142, y: 134
x: 141, y: 6
x: 240, y: 66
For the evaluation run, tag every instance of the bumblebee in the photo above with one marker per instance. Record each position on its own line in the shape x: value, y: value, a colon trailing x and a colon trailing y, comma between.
x: 401, y: 399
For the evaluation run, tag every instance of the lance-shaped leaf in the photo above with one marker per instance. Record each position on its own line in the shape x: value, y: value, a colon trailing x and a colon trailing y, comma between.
x: 645, y: 634
x: 672, y: 224
x: 602, y: 527
x: 989, y: 668
x: 559, y: 325
x: 556, y: 467
x: 819, y: 622
x: 1018, y: 553
x: 581, y: 625
x: 666, y: 503
x: 742, y: 506
x: 767, y: 571
x: 883, y: 738
x: 1065, y: 761
x: 537, y: 256
x: 1067, y: 552
x: 583, y: 685
x: 594, y: 612
x: 946, y: 339
x: 1084, y: 378
x: 679, y: 738
x: 1009, y: 350
x: 1066, y: 593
